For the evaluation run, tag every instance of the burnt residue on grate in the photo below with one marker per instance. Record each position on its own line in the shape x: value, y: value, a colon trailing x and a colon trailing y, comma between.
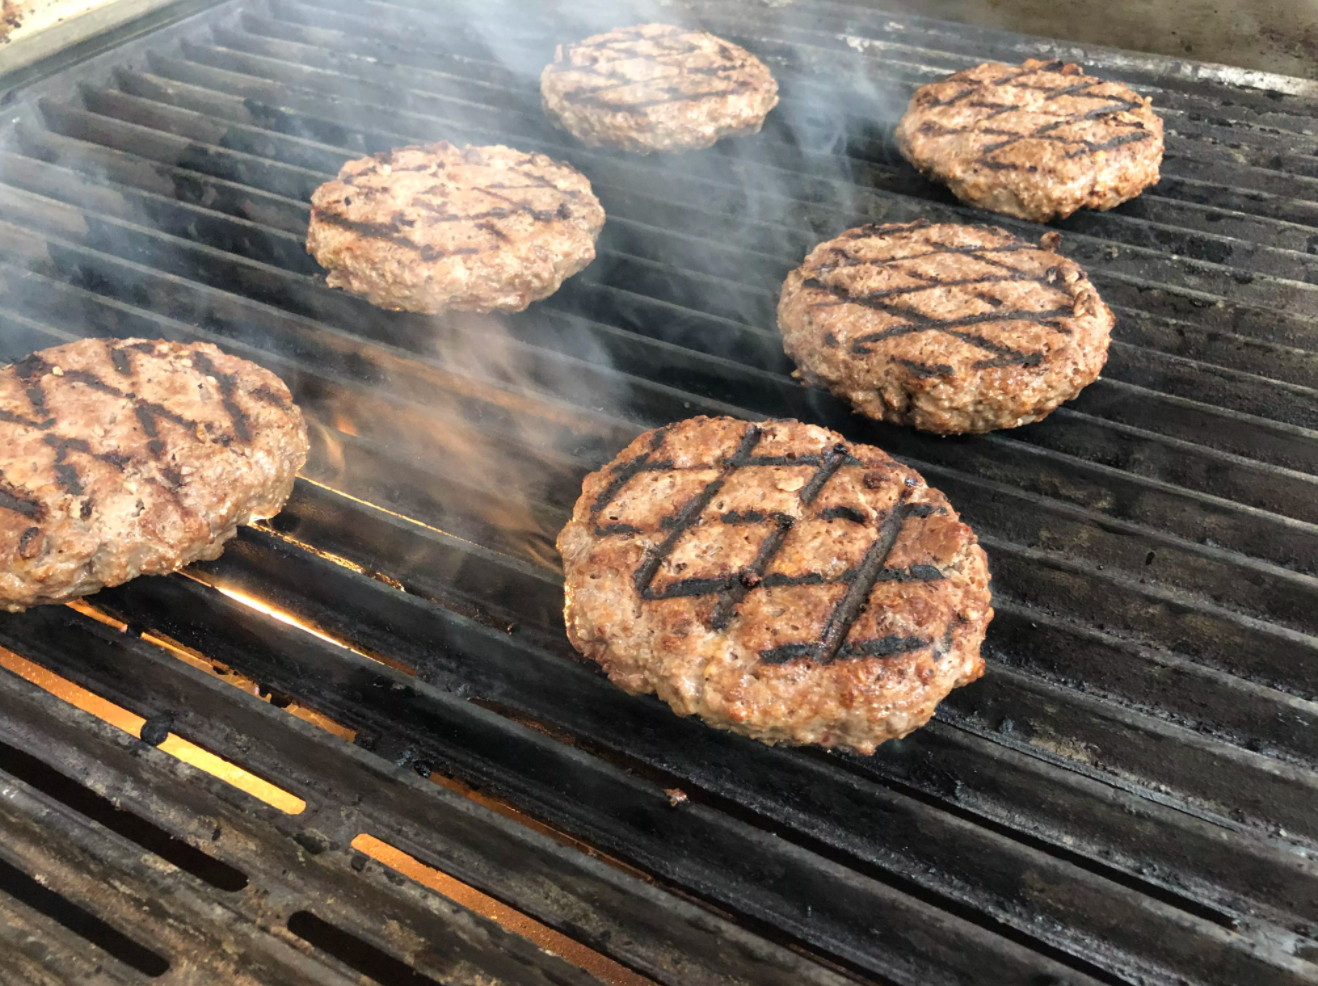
x: 1126, y: 797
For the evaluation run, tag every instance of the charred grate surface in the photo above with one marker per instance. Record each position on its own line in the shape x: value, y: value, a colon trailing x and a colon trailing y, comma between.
x: 1126, y: 797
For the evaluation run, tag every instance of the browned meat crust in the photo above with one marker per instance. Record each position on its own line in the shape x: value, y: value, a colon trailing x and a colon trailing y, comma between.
x: 428, y: 229
x: 656, y: 87
x: 1039, y: 140
x: 127, y: 457
x: 775, y: 581
x: 947, y: 328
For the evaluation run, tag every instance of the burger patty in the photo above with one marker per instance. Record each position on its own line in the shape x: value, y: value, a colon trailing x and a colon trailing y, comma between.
x: 428, y: 229
x: 1038, y: 141
x: 126, y: 457
x: 947, y: 328
x: 656, y: 88
x: 776, y: 581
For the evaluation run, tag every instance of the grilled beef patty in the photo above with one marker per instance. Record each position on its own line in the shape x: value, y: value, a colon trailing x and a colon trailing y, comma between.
x: 1037, y: 141
x: 776, y: 581
x: 947, y: 328
x: 656, y: 88
x: 428, y: 229
x: 124, y: 457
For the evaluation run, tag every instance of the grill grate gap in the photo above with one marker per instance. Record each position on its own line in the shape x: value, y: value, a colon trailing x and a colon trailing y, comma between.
x: 370, y: 961
x: 83, y: 923
x: 131, y: 826
x: 498, y: 911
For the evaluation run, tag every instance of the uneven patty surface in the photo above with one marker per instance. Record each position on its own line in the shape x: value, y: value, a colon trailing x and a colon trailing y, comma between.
x: 126, y: 457
x: 428, y: 229
x: 775, y: 581
x: 1037, y: 140
x: 947, y: 328
x: 656, y: 88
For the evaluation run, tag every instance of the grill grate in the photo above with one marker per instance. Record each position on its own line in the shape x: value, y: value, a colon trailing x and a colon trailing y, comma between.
x: 1126, y: 797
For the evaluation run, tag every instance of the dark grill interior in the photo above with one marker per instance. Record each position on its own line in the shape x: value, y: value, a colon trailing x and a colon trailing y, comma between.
x: 1127, y: 796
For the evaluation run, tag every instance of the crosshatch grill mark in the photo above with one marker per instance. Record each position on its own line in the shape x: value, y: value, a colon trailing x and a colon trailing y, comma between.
x: 730, y: 591
x: 396, y: 230
x: 34, y: 369
x: 673, y: 47
x: 1133, y: 131
x: 914, y: 322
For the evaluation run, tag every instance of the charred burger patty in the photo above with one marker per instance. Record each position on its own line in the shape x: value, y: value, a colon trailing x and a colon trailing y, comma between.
x: 656, y: 87
x: 127, y: 457
x: 429, y: 229
x: 948, y: 328
x: 776, y: 581
x: 1037, y: 141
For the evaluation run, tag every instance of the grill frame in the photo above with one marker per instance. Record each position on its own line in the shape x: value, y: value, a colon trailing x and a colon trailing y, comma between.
x: 1075, y: 736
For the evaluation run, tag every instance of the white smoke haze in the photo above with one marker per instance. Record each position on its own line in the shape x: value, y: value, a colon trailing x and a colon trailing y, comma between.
x: 478, y: 424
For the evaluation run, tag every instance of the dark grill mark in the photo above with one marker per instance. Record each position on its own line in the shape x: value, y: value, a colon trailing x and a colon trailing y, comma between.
x: 778, y: 580
x: 173, y: 478
x: 617, y: 529
x: 66, y: 475
x: 268, y: 396
x: 916, y: 573
x: 384, y: 231
x: 1130, y: 138
x: 121, y: 361
x: 30, y: 367
x: 732, y: 596
x: 147, y: 420
x: 160, y: 411
x: 89, y: 379
x: 29, y: 544
x: 30, y: 370
x: 1029, y: 359
x: 842, y: 513
x: 20, y: 501
x: 884, y: 646
x: 831, y: 463
x: 693, y: 587
x: 749, y: 517
x: 926, y: 370
x: 17, y: 419
x: 847, y: 260
x: 228, y: 387
x: 853, y: 603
